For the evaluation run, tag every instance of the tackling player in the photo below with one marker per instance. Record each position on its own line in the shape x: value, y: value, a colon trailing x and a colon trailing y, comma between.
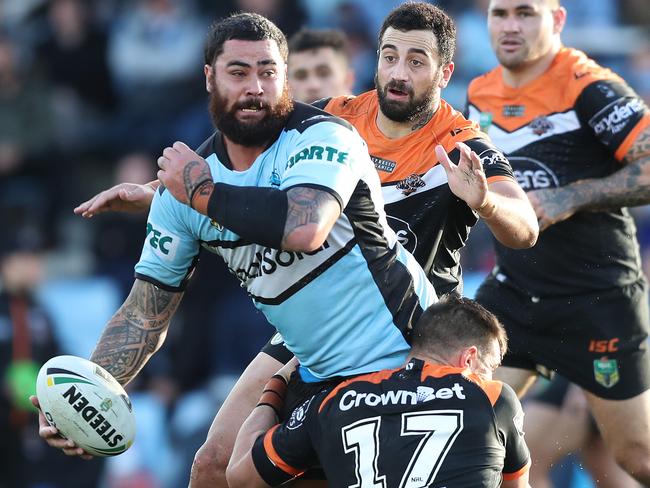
x: 438, y: 421
x: 578, y: 138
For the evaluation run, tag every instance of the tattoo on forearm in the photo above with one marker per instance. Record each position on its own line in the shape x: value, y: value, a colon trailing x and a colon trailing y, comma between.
x: 195, y: 175
x: 136, y: 330
x: 628, y: 187
x: 306, y: 206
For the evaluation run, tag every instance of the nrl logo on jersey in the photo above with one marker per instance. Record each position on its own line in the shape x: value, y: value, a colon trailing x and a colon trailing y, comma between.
x: 411, y: 184
x: 541, y: 125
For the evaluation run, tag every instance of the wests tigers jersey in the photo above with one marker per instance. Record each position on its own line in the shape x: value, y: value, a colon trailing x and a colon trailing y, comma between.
x: 576, y: 121
x: 419, y: 426
x: 430, y: 221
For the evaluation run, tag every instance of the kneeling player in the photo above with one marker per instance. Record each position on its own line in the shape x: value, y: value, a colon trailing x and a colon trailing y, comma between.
x: 439, y: 418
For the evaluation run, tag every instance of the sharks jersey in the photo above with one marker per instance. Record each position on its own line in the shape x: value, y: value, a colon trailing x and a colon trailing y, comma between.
x: 343, y: 309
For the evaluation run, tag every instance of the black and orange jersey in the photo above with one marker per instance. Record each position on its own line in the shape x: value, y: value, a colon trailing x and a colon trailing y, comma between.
x: 576, y: 121
x: 422, y: 425
x: 429, y: 220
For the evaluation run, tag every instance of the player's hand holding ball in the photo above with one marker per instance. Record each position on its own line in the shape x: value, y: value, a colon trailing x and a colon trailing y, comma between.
x: 83, y: 410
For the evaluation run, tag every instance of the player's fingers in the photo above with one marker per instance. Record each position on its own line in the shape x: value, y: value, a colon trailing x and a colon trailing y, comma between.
x: 443, y: 158
x: 465, y: 153
x: 181, y: 146
x: 476, y: 161
x: 162, y: 160
x: 169, y: 153
x: 83, y: 207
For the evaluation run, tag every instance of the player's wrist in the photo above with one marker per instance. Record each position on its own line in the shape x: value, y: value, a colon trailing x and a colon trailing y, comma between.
x: 201, y: 196
x: 274, y: 394
x: 487, y: 209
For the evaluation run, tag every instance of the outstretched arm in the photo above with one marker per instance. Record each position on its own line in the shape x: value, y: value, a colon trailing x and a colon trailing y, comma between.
x: 125, y: 197
x: 298, y: 219
x: 628, y: 187
x: 502, y: 205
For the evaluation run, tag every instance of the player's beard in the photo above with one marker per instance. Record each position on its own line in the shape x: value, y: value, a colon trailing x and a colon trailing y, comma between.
x: 250, y: 134
x: 410, y: 111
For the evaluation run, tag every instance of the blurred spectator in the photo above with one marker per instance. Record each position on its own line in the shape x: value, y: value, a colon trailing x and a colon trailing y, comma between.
x: 118, y: 237
x: 155, y: 53
x: 74, y: 57
x: 26, y: 342
x: 362, y: 44
x: 288, y: 15
x: 319, y: 65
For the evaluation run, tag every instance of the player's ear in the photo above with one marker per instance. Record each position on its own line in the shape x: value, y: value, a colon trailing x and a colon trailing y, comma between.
x: 209, y: 73
x: 447, y: 71
x: 559, y: 19
x: 469, y: 358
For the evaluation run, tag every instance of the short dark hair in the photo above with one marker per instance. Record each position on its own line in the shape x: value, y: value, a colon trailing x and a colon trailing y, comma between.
x: 454, y: 323
x: 242, y: 27
x: 424, y: 16
x: 308, y: 39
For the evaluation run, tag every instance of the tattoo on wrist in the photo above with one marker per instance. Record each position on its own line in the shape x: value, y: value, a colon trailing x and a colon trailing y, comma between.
x: 195, y: 175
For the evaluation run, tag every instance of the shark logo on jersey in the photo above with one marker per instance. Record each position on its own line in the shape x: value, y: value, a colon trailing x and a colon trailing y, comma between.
x: 411, y: 184
x: 274, y: 179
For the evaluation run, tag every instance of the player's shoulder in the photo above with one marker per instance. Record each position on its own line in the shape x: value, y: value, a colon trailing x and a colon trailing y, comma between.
x: 574, y: 71
x: 347, y: 106
x: 305, y: 116
x: 495, y: 390
x: 209, y: 146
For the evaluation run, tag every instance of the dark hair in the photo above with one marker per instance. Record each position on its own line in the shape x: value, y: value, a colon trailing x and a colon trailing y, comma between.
x: 454, y: 323
x: 242, y: 27
x: 424, y: 16
x: 307, y: 39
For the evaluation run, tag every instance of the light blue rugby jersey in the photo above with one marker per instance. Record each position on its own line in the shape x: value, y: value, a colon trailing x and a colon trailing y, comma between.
x: 342, y: 310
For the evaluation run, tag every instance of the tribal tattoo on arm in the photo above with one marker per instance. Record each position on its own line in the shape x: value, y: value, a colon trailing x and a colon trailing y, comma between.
x: 308, y: 206
x: 136, y: 330
x: 197, y: 178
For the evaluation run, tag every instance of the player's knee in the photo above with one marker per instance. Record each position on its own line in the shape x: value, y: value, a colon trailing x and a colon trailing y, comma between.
x: 209, y: 467
x: 634, y: 457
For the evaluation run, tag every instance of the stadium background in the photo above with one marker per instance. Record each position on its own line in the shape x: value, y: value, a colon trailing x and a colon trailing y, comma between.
x: 90, y: 91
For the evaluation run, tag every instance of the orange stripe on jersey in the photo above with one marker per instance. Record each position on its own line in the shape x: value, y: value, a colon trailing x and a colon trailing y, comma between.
x: 275, y: 458
x: 494, y: 179
x: 625, y: 146
x: 517, y: 474
x: 438, y: 371
x: 374, y: 378
x: 555, y: 91
x: 413, y: 153
x: 492, y: 388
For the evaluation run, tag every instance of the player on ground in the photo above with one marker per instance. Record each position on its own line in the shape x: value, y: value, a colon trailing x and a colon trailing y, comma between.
x: 579, y: 141
x: 434, y: 204
x: 289, y: 198
x: 438, y: 421
x: 319, y: 65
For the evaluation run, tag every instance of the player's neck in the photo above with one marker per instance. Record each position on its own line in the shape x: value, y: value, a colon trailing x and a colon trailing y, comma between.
x: 526, y: 73
x: 242, y: 157
x: 394, y: 130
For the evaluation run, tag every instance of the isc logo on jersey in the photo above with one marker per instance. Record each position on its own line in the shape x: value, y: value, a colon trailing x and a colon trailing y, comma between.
x: 352, y: 399
x: 532, y: 174
x: 616, y: 116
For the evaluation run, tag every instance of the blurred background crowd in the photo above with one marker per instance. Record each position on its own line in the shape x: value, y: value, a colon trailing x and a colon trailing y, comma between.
x: 90, y: 93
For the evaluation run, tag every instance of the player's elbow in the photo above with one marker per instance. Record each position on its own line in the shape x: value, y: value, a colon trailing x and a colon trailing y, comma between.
x: 528, y: 237
x: 306, y: 238
x: 236, y: 476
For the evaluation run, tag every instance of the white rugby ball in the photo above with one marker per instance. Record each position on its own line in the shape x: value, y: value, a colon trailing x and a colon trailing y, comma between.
x: 86, y: 404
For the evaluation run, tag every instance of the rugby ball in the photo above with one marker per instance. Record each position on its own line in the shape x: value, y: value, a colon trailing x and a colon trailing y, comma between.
x: 86, y: 404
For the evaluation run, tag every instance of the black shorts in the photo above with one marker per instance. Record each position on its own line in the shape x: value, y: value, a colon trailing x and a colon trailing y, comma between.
x: 596, y: 340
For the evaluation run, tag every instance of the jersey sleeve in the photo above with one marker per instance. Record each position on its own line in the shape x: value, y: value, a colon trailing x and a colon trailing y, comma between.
x: 170, y: 250
x: 495, y: 164
x: 510, y: 421
x: 614, y: 113
x: 286, y: 450
x: 328, y: 155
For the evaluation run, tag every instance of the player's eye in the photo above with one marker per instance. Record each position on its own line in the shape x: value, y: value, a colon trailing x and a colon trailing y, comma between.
x: 389, y: 58
x: 417, y: 63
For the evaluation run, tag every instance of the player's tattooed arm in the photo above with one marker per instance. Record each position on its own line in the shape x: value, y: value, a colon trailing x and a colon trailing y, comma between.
x: 136, y: 331
x: 311, y: 214
x: 628, y: 187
